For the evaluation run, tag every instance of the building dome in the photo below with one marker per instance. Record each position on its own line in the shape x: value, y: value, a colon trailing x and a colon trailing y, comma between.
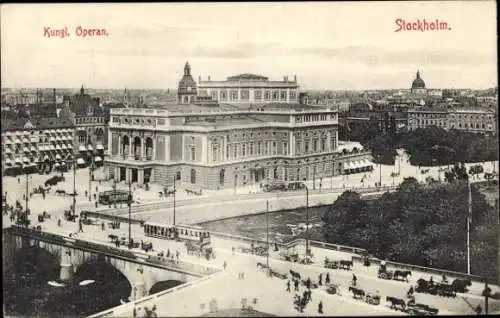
x: 418, y: 82
x: 187, y: 83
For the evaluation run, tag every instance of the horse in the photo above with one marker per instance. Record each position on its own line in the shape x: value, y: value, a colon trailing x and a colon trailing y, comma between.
x: 357, y: 292
x: 459, y: 285
x: 402, y: 273
x: 60, y: 192
x: 395, y: 302
x: 261, y: 266
x: 345, y: 264
x: 295, y: 274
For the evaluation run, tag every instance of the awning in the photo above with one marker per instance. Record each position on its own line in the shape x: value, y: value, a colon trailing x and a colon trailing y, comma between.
x: 63, y: 163
x: 8, y: 161
x: 97, y: 158
x: 56, y: 164
x: 58, y: 157
x: 25, y: 139
x: 8, y: 150
x: 58, y: 147
x: 89, y: 147
x: 99, y: 147
x: 52, y: 147
x: 70, y: 138
x: 347, y: 166
x: 33, y: 148
x: 58, y: 138
x: 17, y: 160
x: 25, y: 159
x: 63, y: 146
x: 69, y: 156
x: 82, y: 148
x: 80, y: 161
x: 52, y: 139
x: 46, y: 158
x: 58, y: 130
x: 7, y: 133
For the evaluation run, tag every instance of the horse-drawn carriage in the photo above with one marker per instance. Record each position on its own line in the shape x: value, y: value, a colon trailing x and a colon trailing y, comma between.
x: 260, y: 250
x: 200, y: 248
x: 278, y: 274
x: 306, y: 260
x: 440, y: 289
x: 421, y: 310
x: 372, y: 298
x: 331, y: 264
x: 333, y: 289
x: 69, y: 216
x: 289, y: 256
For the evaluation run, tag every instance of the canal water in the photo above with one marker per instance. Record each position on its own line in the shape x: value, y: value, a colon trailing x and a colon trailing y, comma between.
x: 284, y: 226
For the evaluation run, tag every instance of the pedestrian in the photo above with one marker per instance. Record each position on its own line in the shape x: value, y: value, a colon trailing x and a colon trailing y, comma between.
x: 134, y: 313
x: 59, y: 222
x: 96, y: 204
x: 308, y: 283
x: 243, y: 275
x: 320, y: 279
x: 320, y: 308
x: 80, y: 225
x: 95, y: 196
x: 296, y: 285
x: 327, y: 278
x: 288, y: 286
x: 224, y: 265
x: 102, y: 226
x: 86, y: 193
x: 177, y: 254
x: 18, y: 180
x: 233, y: 249
x: 354, y: 279
x: 479, y: 309
x: 309, y: 293
x: 96, y: 190
x: 431, y: 281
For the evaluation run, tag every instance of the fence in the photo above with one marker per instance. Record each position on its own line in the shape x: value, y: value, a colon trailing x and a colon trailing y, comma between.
x: 145, y: 207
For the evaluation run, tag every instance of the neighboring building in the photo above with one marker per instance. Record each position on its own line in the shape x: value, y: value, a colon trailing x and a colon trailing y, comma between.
x: 361, y: 116
x: 425, y: 117
x: 186, y: 93
x: 473, y: 120
x: 43, y: 142
x: 88, y: 116
x: 418, y: 85
x: 250, y: 88
x: 223, y: 146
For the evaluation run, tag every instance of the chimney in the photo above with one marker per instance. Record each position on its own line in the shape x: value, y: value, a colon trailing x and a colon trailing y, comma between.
x: 199, y: 79
x: 284, y: 78
x: 55, y: 99
x: 209, y: 78
x: 295, y: 78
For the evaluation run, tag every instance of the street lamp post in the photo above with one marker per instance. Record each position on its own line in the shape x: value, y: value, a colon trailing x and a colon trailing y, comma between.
x: 129, y: 214
x: 267, y: 230
x: 469, y: 220
x: 90, y: 177
x: 307, y: 218
x: 174, y: 199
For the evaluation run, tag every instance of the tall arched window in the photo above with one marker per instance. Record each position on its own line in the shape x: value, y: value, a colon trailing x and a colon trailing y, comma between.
x: 222, y: 176
x: 193, y: 176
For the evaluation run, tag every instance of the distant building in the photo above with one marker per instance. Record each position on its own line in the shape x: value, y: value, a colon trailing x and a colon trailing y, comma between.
x: 472, y: 120
x: 88, y: 116
x: 418, y: 85
x: 186, y: 93
x: 250, y: 88
x: 42, y: 142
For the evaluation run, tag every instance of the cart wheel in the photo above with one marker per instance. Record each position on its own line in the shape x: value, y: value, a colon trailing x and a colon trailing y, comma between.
x: 383, y: 275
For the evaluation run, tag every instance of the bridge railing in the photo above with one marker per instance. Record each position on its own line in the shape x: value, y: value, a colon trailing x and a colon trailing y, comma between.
x: 338, y: 247
x: 121, y: 310
x: 144, y: 207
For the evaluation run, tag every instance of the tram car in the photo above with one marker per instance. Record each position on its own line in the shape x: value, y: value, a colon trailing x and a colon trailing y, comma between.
x: 113, y: 196
x: 163, y: 231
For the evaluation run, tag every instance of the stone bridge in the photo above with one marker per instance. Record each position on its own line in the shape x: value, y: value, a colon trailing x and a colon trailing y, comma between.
x: 72, y: 253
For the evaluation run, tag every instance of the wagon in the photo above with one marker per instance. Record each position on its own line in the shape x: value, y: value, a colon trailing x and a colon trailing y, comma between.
x: 332, y: 264
x: 372, y: 299
x: 333, y: 289
x: 385, y: 274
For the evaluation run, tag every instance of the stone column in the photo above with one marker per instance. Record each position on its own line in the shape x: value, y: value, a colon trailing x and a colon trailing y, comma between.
x: 130, y: 148
x: 66, y: 273
x: 138, y: 291
x: 140, y: 176
x: 142, y: 147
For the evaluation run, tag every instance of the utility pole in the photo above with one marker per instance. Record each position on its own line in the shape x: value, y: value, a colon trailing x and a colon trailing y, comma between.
x: 486, y: 295
x: 74, y: 186
x: 174, y: 198
x: 267, y: 231
x: 331, y: 180
x: 90, y: 173
x: 307, y: 220
x: 469, y: 221
x: 129, y: 214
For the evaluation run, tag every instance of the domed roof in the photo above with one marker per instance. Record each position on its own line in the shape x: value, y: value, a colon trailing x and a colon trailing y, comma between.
x: 418, y: 82
x: 187, y: 83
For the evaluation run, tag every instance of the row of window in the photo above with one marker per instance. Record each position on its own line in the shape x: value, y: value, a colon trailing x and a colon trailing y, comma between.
x: 87, y: 120
x: 482, y: 116
x: 313, y: 118
x: 465, y: 125
x: 243, y: 150
x: 258, y: 95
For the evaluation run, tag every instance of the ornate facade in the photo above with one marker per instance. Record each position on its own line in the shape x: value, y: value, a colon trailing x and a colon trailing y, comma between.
x: 38, y: 142
x: 250, y: 88
x: 220, y: 147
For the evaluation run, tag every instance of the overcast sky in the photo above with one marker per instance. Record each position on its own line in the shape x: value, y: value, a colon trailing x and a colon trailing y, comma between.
x: 351, y: 45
